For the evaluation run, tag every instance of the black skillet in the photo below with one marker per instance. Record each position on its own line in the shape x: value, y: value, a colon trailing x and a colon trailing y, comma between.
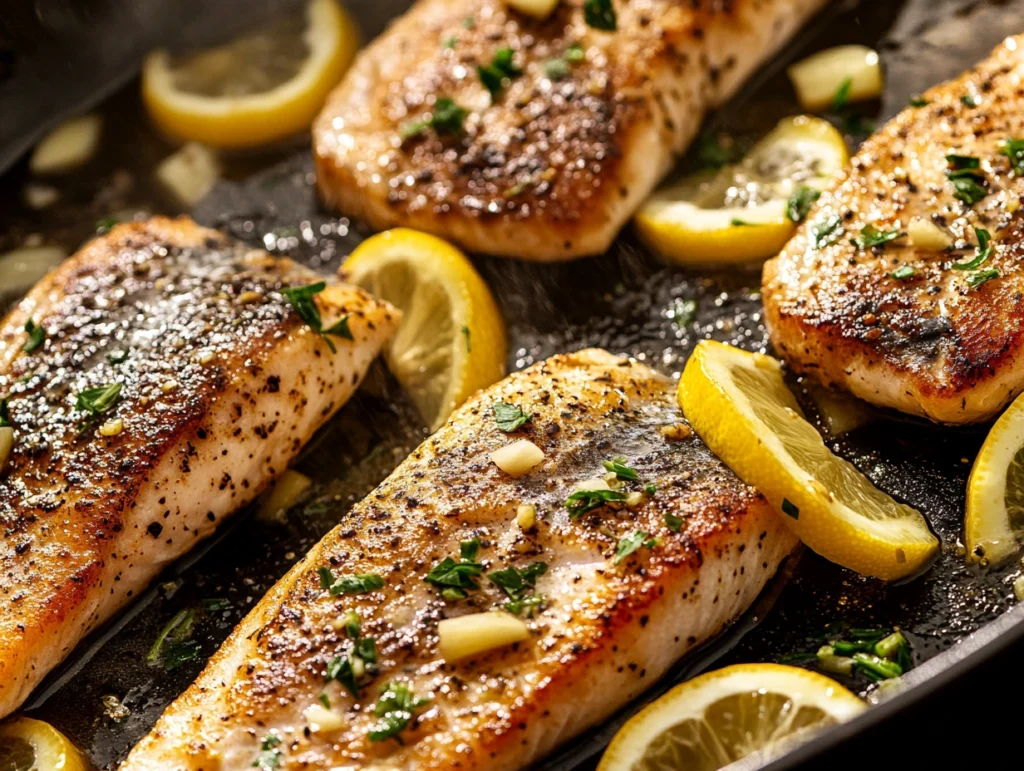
x: 61, y: 56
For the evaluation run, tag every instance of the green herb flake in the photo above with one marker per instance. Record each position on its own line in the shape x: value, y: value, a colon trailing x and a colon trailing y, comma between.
x: 455, y: 579
x: 984, y: 250
x: 618, y: 467
x: 968, y: 182
x: 465, y: 334
x: 323, y: 699
x: 301, y: 298
x: 351, y: 624
x: 683, y: 312
x: 450, y: 42
x: 790, y: 509
x: 556, y: 69
x: 173, y: 646
x: 575, y: 53
x: 979, y: 277
x: 631, y: 543
x: 962, y: 162
x: 493, y: 75
x: 270, y: 753
x: 841, y: 98
x: 96, y: 401
x: 447, y: 118
x: 714, y: 152
x: 105, y: 225
x: 736, y: 222
x: 356, y: 584
x: 1014, y: 150
x: 395, y: 710
x: 903, y: 272
x: 469, y: 23
x: 870, y: 237
x: 600, y: 14
x: 826, y: 231
x: 918, y: 101
x: 117, y: 357
x: 340, y: 328
x: 583, y: 501
x: 510, y: 417
x: 800, y: 203
x: 36, y: 336
x: 673, y: 523
x: 970, y: 100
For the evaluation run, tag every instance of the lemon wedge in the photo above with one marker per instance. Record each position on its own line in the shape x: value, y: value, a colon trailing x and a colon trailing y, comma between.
x: 32, y: 745
x: 994, y: 525
x: 718, y: 718
x: 451, y: 341
x: 254, y: 90
x: 747, y: 211
x: 740, y: 406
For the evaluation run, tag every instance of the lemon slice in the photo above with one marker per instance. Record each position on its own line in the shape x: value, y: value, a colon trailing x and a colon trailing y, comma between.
x: 32, y: 745
x: 254, y: 90
x: 742, y: 213
x: 451, y: 341
x: 740, y: 406
x: 718, y: 718
x: 994, y: 525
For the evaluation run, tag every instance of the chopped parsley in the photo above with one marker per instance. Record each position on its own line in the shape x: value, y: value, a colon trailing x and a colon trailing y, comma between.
x: 556, y: 69
x: 117, y: 357
x: 456, y: 579
x: 902, y: 273
x: 469, y: 23
x: 517, y: 585
x: 1014, y: 150
x: 360, y: 661
x: 322, y: 698
x: 826, y: 231
x: 582, y: 501
x: 673, y: 523
x: 355, y: 584
x: 790, y: 509
x: 983, y: 251
x: 979, y: 277
x: 450, y: 42
x: 854, y: 124
x: 95, y: 401
x: 395, y: 708
x: 683, y: 312
x: 714, y: 152
x: 301, y: 299
x: 631, y: 543
x: 874, y: 654
x: 600, y: 14
x: 465, y: 334
x: 800, y: 203
x: 968, y: 182
x: 618, y: 467
x: 841, y: 98
x: 918, y: 101
x: 736, y: 222
x: 36, y: 336
x: 493, y: 75
x: 105, y: 224
x: 174, y: 646
x: 970, y: 100
x: 870, y: 237
x: 270, y: 754
x: 446, y: 120
x: 510, y: 417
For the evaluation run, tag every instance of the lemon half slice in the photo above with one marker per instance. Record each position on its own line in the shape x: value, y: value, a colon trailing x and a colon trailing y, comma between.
x: 254, y: 90
x: 718, y: 718
x: 740, y: 406
x: 451, y: 341
x: 32, y: 745
x: 742, y: 213
x: 994, y: 525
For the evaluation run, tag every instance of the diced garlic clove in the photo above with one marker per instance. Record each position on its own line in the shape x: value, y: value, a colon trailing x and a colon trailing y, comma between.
x: 321, y: 719
x: 68, y: 146
x: 464, y: 636
x: 518, y: 458
x: 538, y: 9
x: 526, y: 516
x: 190, y: 173
x: 925, y: 234
x: 591, y: 484
x: 286, y: 491
x: 818, y: 78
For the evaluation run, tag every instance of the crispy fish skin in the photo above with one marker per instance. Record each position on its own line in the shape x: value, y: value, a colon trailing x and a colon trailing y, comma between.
x: 607, y: 633
x: 929, y: 344
x: 556, y: 165
x: 221, y: 384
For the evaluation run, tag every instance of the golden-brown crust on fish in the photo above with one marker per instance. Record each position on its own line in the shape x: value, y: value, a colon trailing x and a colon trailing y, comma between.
x: 928, y: 343
x: 557, y: 162
x: 196, y: 333
x: 606, y: 632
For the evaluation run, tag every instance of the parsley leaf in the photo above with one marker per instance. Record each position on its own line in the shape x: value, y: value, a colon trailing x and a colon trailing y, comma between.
x: 446, y: 120
x: 517, y: 585
x: 270, y: 755
x: 301, y: 299
x: 673, y: 523
x: 842, y: 95
x: 360, y: 660
x: 981, y: 253
x: 618, y: 467
x: 970, y: 100
x: 826, y: 231
x: 98, y: 400
x: 582, y: 501
x: 790, y: 509
x: 469, y: 344
x: 456, y: 578
x: 395, y: 708
x: 510, y: 417
x: 174, y: 647
x: 968, y: 182
x: 714, y: 152
x: 36, y: 336
x: 917, y: 101
x: 800, y: 203
x: 979, y: 277
x: 356, y: 584
x: 870, y: 237
x: 1014, y: 150
x: 903, y: 272
x: 683, y: 312
x: 631, y: 543
x: 493, y: 75
x: 556, y: 69
x: 600, y: 14
x: 450, y: 42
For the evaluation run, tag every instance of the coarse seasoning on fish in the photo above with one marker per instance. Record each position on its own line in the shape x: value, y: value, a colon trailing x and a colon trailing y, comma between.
x: 928, y: 323
x: 156, y: 381
x: 534, y: 139
x: 339, y: 665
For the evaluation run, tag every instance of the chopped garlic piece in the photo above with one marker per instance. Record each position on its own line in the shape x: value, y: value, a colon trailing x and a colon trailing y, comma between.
x: 40, y: 196
x: 925, y: 234
x: 322, y: 719
x: 69, y: 145
x: 6, y: 445
x: 635, y: 500
x: 287, y: 490
x: 818, y: 78
x: 112, y: 427
x: 518, y: 458
x: 526, y: 516
x: 676, y: 431
x: 190, y: 173
x: 465, y: 636
x: 538, y: 9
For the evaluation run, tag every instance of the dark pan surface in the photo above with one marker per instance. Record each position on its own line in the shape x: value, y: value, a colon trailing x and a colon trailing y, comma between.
x: 624, y: 301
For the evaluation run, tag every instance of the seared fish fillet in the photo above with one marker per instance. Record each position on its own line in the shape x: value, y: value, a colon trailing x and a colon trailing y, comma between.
x: 553, y: 166
x: 605, y: 632
x: 899, y: 325
x: 220, y: 385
